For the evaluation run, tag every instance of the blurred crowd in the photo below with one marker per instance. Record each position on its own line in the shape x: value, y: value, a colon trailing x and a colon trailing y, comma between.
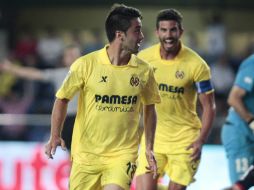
x: 44, y: 50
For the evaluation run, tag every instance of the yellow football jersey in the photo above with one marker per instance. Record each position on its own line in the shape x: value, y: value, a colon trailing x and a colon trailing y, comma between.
x: 109, y: 103
x: 178, y: 123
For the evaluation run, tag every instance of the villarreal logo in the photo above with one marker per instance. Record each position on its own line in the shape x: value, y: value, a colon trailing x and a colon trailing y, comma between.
x: 179, y: 74
x: 134, y: 81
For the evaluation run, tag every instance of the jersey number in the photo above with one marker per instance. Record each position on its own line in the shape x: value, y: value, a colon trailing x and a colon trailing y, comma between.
x: 242, y: 164
x: 131, y: 168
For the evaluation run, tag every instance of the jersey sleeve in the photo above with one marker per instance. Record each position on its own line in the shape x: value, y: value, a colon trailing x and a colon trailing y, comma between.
x: 245, y: 78
x: 202, y: 78
x: 142, y: 55
x: 73, y: 81
x: 150, y: 92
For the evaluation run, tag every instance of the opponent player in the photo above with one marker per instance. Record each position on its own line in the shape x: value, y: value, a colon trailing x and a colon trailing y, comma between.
x: 238, y: 131
x: 181, y: 75
x: 113, y: 84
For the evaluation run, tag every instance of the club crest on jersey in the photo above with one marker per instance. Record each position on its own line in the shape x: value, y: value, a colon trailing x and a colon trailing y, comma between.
x: 134, y: 81
x: 179, y: 74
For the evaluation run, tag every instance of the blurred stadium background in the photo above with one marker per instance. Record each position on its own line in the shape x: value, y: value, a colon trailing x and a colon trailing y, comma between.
x: 34, y: 33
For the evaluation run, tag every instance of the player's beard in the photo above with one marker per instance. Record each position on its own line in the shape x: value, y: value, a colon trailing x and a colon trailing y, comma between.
x: 133, y: 49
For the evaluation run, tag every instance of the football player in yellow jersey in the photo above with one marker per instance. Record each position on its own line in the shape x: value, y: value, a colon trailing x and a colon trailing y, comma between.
x: 113, y: 85
x: 182, y: 76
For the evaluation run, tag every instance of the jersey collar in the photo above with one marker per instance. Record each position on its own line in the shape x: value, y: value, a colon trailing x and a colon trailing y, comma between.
x: 105, y: 59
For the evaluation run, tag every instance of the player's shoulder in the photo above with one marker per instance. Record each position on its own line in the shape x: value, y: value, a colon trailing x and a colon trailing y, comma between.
x: 87, y: 59
x: 250, y: 58
x: 149, y: 52
x: 248, y: 62
x: 191, y: 53
x: 150, y: 48
x: 92, y: 56
x: 140, y: 62
x: 193, y: 56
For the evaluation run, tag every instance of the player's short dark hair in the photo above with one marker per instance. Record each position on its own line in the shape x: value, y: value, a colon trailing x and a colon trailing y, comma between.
x: 169, y: 14
x: 119, y: 18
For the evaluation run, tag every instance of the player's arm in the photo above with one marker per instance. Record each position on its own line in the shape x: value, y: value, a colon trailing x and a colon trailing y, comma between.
x: 57, y: 120
x: 19, y: 71
x: 235, y: 100
x: 150, y: 120
x: 208, y: 113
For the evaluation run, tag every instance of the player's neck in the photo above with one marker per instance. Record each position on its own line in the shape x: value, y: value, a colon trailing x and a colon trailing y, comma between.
x: 117, y: 55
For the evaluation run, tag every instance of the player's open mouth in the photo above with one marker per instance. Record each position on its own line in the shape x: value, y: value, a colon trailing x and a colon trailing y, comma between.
x: 171, y: 41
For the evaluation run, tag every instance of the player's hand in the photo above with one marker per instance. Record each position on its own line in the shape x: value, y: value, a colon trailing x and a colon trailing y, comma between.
x: 50, y: 147
x: 152, y: 163
x: 197, y: 148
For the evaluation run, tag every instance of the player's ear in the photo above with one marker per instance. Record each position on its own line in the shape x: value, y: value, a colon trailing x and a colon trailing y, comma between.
x: 119, y: 35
